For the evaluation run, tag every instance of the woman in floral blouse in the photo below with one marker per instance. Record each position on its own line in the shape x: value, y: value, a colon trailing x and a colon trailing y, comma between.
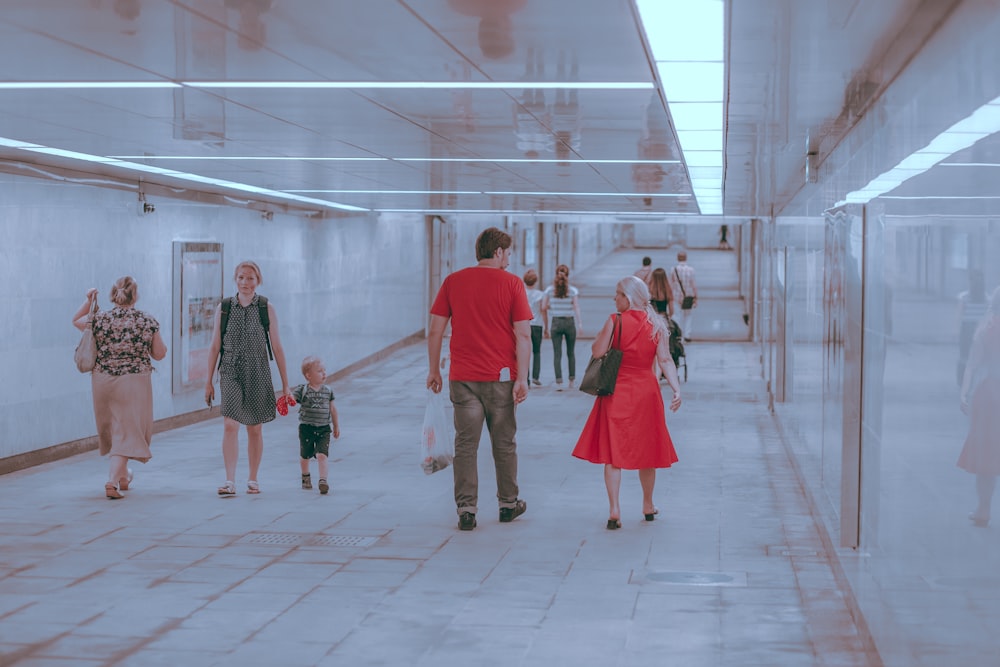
x: 123, y: 394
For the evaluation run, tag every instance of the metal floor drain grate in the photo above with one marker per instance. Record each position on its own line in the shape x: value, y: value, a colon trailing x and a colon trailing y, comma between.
x: 341, y: 541
x: 309, y: 540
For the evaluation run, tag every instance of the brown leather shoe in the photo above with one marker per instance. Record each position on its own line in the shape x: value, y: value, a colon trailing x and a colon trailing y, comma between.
x: 111, y: 491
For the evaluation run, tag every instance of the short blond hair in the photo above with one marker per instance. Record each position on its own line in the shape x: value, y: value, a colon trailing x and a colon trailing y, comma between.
x: 309, y: 363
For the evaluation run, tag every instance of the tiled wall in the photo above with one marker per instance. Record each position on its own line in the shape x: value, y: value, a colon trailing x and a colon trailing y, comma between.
x: 343, y: 289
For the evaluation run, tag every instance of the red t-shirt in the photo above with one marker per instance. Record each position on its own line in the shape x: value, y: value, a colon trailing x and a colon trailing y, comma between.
x: 483, y: 304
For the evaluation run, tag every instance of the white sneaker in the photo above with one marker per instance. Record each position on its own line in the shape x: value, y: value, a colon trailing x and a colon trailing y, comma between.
x: 559, y: 386
x: 571, y: 383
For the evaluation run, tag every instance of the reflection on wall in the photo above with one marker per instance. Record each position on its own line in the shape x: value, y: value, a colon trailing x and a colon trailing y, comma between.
x: 251, y: 28
x: 566, y: 110
x: 541, y: 127
x: 495, y: 30
x: 200, y: 45
x: 901, y: 296
x: 655, y: 143
x: 532, y: 118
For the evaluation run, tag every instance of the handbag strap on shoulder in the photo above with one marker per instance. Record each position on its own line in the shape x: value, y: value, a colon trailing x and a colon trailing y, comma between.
x: 611, y: 344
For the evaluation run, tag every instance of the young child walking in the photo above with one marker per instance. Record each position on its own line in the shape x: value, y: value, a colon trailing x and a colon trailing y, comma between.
x: 316, y: 411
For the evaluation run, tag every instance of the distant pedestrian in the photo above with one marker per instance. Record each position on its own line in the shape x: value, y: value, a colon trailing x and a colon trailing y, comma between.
x: 126, y: 338
x: 645, y: 273
x: 241, y: 345
x: 660, y: 292
x: 685, y: 293
x: 561, y: 317
x: 488, y: 375
x: 627, y: 429
x: 724, y: 238
x: 316, y: 414
x: 980, y: 398
x: 535, y: 299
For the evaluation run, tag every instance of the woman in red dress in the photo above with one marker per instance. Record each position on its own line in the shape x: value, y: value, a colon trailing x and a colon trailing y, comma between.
x: 628, y: 429
x: 981, y: 452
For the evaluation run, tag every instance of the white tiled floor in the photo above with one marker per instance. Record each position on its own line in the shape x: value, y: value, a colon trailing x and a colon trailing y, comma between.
x: 167, y: 577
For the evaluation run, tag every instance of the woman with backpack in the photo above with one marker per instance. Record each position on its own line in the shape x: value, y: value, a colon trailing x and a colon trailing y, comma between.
x: 245, y: 334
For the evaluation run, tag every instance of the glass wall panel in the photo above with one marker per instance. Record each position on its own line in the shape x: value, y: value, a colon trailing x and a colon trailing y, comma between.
x: 801, y: 411
x: 934, y: 570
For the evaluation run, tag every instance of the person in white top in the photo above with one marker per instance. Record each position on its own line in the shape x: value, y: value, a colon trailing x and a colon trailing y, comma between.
x: 685, y: 291
x: 561, y: 305
x: 535, y: 299
x: 645, y: 274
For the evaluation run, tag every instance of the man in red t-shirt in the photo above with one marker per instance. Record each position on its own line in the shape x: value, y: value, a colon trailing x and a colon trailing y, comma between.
x: 490, y: 346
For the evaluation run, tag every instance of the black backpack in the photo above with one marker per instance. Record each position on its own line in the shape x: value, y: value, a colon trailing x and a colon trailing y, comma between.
x: 265, y: 321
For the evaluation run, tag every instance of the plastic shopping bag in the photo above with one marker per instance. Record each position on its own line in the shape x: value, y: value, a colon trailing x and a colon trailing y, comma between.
x: 437, y: 443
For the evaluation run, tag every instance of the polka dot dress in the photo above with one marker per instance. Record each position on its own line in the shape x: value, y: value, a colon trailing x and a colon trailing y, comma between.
x: 245, y: 375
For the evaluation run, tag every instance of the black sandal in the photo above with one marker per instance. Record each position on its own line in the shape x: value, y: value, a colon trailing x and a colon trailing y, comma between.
x: 614, y: 524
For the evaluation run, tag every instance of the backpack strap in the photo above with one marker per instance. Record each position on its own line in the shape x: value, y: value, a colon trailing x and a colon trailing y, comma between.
x: 265, y: 321
x: 227, y: 305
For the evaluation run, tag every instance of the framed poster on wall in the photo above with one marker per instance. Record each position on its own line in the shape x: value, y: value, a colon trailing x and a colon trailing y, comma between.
x: 196, y: 295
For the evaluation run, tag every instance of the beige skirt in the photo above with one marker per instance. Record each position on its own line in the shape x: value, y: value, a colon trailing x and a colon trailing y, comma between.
x: 123, y: 409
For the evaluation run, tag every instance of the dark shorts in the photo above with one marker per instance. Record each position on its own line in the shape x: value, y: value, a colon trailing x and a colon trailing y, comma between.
x: 314, y: 440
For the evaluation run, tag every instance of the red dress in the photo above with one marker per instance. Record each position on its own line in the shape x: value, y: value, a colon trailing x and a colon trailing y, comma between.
x: 628, y: 429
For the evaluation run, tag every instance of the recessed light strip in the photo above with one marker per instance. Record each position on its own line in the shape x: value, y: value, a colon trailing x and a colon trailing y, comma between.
x: 687, y: 41
x: 332, y: 85
x: 981, y: 123
x: 495, y: 193
x: 149, y: 169
x: 474, y: 160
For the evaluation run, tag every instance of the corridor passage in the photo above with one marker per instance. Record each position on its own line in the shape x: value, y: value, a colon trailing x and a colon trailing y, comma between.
x: 732, y: 573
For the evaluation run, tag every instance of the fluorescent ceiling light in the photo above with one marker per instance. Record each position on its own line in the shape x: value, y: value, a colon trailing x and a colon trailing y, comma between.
x: 691, y: 82
x: 529, y: 211
x: 683, y: 30
x: 687, y: 38
x: 704, y: 159
x: 525, y: 193
x: 389, y: 192
x: 982, y: 122
x: 696, y: 115
x: 991, y: 197
x: 423, y: 85
x: 705, y: 172
x: 87, y: 85
x: 333, y: 85
x: 292, y: 158
x: 149, y: 169
x: 700, y: 140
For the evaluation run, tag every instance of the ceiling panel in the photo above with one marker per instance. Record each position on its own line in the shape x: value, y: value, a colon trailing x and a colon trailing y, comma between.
x: 788, y: 64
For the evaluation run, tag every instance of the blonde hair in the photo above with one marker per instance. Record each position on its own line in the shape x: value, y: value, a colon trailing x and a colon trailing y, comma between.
x: 637, y: 293
x: 247, y: 264
x: 125, y: 291
x: 309, y: 363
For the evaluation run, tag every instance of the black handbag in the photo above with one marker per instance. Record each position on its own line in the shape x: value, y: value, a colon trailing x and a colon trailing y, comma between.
x: 602, y: 372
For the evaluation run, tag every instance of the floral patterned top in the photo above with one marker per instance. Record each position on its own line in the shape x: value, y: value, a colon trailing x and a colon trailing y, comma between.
x: 124, y: 341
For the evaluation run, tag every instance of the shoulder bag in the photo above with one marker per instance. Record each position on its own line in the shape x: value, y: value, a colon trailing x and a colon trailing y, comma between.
x: 85, y: 355
x: 602, y: 372
x: 687, y: 303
